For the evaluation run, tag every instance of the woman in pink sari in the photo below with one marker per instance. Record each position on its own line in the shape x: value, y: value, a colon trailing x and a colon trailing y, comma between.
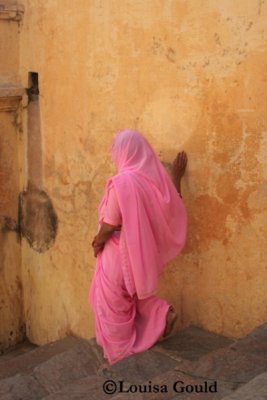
x: 142, y: 226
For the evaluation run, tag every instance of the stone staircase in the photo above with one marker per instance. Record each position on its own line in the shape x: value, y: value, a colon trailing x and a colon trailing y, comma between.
x: 193, y: 359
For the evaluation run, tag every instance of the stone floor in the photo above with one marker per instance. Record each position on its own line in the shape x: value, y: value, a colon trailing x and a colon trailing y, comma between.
x: 212, y: 366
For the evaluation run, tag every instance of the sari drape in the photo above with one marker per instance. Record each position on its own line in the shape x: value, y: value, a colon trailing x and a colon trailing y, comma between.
x: 129, y: 317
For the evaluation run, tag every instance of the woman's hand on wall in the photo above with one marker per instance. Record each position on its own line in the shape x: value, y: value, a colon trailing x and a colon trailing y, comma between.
x: 178, y: 169
x: 179, y: 165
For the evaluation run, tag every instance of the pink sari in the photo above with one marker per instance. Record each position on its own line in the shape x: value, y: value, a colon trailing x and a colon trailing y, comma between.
x: 129, y: 317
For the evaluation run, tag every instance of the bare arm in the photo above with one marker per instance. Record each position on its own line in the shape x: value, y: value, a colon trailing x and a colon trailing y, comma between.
x: 178, y: 170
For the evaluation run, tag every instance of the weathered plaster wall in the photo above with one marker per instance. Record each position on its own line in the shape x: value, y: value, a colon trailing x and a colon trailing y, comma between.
x: 11, y: 292
x: 188, y: 74
x: 9, y: 65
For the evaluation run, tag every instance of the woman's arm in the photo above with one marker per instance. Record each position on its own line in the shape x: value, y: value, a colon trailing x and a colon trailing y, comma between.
x: 103, y: 235
x: 178, y: 170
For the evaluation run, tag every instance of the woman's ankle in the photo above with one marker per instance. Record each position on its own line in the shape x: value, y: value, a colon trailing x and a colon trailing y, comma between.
x: 170, y: 321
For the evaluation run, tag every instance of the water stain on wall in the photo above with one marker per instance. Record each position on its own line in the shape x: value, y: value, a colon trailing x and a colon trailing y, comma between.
x: 38, y: 219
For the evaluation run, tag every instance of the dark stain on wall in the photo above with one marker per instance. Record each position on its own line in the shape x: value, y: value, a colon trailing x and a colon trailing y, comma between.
x: 7, y: 224
x: 38, y: 221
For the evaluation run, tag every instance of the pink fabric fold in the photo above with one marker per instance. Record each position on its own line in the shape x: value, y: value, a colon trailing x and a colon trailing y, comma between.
x: 129, y: 318
x: 154, y: 218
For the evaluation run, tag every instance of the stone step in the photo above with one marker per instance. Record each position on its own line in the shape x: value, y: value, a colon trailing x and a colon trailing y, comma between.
x: 28, y: 361
x: 48, y: 369
x: 229, y: 367
x: 254, y: 343
x: 237, y: 363
x: 17, y: 350
x: 197, y: 360
x: 192, y: 343
x: 201, y: 356
x: 188, y: 344
x: 176, y: 385
x: 89, y: 387
x: 162, y: 387
x: 160, y: 366
x: 256, y: 389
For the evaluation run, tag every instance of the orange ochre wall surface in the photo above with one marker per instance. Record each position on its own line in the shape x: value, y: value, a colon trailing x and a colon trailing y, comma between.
x: 190, y: 75
x: 11, y: 291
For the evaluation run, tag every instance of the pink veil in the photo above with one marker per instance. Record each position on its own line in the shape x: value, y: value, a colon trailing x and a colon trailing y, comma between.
x: 154, y: 218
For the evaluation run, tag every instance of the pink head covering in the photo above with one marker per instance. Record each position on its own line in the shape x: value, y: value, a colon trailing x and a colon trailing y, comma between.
x: 153, y: 215
x: 132, y: 152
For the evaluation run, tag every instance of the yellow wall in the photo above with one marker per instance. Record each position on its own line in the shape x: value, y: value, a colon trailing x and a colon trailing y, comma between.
x: 11, y: 291
x: 189, y: 75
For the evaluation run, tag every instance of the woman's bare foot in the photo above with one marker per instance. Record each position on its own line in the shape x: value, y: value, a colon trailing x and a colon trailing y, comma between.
x: 171, y: 319
x: 170, y: 322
